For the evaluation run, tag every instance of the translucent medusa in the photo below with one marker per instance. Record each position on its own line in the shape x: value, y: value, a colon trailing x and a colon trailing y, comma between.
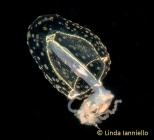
x: 74, y: 61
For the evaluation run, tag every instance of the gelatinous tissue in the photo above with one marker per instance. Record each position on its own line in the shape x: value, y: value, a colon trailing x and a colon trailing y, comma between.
x: 74, y: 61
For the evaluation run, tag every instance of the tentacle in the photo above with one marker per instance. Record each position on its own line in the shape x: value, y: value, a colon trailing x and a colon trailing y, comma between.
x: 110, y: 111
x: 69, y: 106
x: 114, y: 108
x: 104, y: 117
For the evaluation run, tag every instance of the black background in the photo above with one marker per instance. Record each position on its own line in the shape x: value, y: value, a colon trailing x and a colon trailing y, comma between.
x: 32, y: 109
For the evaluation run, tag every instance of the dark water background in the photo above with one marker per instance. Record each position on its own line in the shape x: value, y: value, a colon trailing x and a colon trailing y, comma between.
x: 32, y: 109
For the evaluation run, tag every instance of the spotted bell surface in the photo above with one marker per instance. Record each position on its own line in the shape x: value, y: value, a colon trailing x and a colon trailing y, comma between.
x: 74, y: 61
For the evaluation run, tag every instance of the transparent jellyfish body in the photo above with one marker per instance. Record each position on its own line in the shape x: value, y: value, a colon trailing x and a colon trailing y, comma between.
x: 74, y: 61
